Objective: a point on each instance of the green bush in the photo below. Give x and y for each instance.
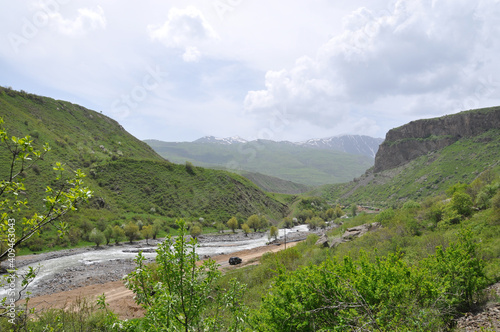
(384, 293)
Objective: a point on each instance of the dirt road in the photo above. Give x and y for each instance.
(121, 300)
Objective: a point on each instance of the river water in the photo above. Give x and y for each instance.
(50, 267)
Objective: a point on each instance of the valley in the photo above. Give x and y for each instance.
(434, 188)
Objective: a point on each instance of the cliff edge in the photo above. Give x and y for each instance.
(420, 137)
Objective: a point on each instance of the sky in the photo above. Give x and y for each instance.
(291, 70)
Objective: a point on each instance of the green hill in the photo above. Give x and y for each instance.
(284, 160)
(431, 171)
(130, 181)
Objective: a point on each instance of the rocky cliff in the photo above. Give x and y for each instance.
(418, 138)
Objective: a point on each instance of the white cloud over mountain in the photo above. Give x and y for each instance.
(287, 70)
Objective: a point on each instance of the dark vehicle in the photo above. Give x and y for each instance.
(234, 260)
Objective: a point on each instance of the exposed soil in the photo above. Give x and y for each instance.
(486, 319)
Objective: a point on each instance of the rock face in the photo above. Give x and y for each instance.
(349, 235)
(418, 138)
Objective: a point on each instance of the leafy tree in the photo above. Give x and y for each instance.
(108, 234)
(274, 232)
(147, 232)
(220, 227)
(17, 223)
(118, 234)
(132, 231)
(157, 225)
(86, 226)
(232, 223)
(179, 294)
(195, 230)
(97, 237)
(354, 210)
(315, 223)
(246, 229)
(287, 222)
(462, 203)
(254, 222)
(23, 156)
(74, 235)
(139, 224)
(338, 211)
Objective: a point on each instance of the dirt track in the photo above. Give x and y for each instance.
(120, 299)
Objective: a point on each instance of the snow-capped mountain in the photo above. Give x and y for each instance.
(354, 144)
(217, 140)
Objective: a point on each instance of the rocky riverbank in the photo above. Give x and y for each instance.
(100, 272)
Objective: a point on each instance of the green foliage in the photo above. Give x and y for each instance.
(118, 234)
(147, 232)
(462, 203)
(429, 175)
(246, 229)
(127, 177)
(300, 165)
(108, 234)
(97, 237)
(274, 232)
(177, 293)
(232, 223)
(195, 230)
(383, 294)
(131, 231)
(257, 222)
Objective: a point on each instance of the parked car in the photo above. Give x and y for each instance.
(234, 260)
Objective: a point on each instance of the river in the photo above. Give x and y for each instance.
(51, 267)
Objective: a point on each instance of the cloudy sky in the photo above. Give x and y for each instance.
(274, 69)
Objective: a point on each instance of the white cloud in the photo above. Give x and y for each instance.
(192, 54)
(87, 20)
(416, 51)
(183, 29)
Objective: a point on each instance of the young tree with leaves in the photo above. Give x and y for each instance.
(179, 294)
(147, 232)
(232, 223)
(132, 231)
(97, 237)
(17, 225)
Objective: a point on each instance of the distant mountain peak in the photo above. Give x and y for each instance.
(217, 140)
(354, 144)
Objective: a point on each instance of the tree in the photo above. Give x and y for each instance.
(59, 201)
(287, 222)
(108, 234)
(232, 223)
(195, 230)
(255, 222)
(132, 231)
(246, 229)
(354, 210)
(179, 294)
(157, 225)
(462, 203)
(274, 232)
(61, 198)
(118, 234)
(97, 237)
(147, 232)
(220, 227)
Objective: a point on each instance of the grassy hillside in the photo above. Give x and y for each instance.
(130, 181)
(283, 160)
(428, 175)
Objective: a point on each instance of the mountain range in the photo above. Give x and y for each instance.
(352, 144)
(310, 163)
